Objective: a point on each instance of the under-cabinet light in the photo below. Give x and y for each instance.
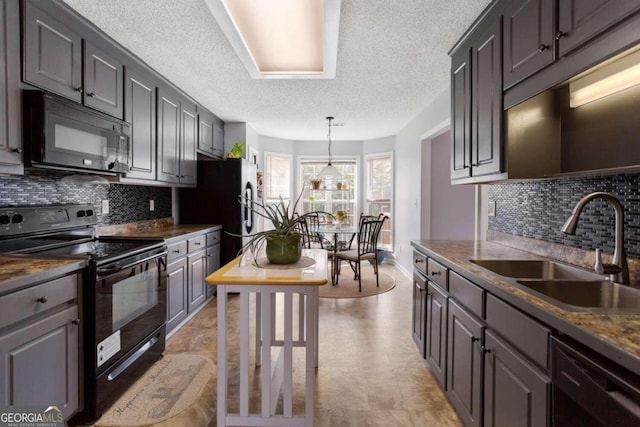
(282, 38)
(614, 77)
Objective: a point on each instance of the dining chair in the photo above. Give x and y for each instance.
(366, 249)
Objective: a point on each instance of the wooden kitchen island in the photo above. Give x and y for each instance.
(273, 290)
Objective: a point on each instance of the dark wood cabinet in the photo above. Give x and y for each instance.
(436, 333)
(476, 90)
(515, 391)
(419, 311)
(177, 137)
(54, 59)
(579, 20)
(177, 306)
(10, 140)
(464, 364)
(140, 112)
(103, 81)
(529, 38)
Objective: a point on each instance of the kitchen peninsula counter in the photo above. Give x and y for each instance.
(17, 271)
(615, 335)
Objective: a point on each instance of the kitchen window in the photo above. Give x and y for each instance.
(379, 193)
(333, 195)
(277, 182)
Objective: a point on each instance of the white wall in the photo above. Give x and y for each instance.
(408, 183)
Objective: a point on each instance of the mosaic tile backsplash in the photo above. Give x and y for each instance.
(538, 209)
(127, 203)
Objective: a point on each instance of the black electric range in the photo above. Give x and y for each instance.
(123, 295)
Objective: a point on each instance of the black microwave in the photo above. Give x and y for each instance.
(60, 134)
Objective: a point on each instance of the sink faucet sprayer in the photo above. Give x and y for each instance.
(618, 270)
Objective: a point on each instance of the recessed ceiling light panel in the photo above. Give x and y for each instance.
(282, 38)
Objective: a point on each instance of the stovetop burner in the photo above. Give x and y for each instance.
(104, 249)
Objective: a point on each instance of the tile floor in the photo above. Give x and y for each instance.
(370, 373)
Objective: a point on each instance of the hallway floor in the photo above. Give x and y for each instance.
(370, 371)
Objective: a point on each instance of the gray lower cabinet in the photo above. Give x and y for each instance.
(40, 346)
(436, 332)
(10, 141)
(516, 393)
(197, 272)
(464, 364)
(419, 311)
(177, 308)
(190, 260)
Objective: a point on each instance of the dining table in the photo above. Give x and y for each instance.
(342, 235)
(285, 303)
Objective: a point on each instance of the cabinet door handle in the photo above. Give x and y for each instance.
(436, 273)
(543, 47)
(419, 261)
(42, 300)
(474, 339)
(485, 350)
(75, 322)
(17, 150)
(79, 89)
(560, 34)
(91, 94)
(197, 243)
(176, 251)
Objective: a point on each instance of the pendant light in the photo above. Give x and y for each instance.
(329, 171)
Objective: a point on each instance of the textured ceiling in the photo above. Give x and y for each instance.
(392, 62)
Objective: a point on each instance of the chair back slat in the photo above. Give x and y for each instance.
(369, 233)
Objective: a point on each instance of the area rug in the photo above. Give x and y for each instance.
(170, 386)
(348, 288)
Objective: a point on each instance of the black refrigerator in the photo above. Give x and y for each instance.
(215, 200)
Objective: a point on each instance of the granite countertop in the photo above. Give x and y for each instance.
(20, 270)
(617, 336)
(154, 229)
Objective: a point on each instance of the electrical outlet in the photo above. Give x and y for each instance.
(105, 207)
(152, 205)
(492, 208)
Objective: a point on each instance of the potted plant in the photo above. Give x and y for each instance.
(237, 151)
(283, 242)
(315, 183)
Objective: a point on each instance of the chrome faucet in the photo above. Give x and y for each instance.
(618, 271)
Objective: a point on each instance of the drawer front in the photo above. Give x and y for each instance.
(197, 243)
(176, 250)
(437, 273)
(213, 238)
(420, 262)
(527, 335)
(467, 293)
(36, 299)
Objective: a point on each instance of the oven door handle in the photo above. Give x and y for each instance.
(106, 271)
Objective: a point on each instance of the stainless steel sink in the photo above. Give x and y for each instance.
(580, 295)
(534, 269)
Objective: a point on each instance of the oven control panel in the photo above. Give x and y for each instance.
(33, 219)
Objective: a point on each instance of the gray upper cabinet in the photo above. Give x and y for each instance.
(210, 134)
(168, 135)
(10, 141)
(177, 137)
(579, 20)
(140, 111)
(476, 88)
(102, 81)
(53, 60)
(528, 38)
(52, 53)
(188, 142)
